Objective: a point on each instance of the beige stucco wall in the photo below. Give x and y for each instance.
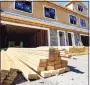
(76, 8)
(62, 15)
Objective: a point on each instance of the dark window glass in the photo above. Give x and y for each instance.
(24, 6)
(80, 8)
(82, 22)
(70, 39)
(49, 12)
(73, 19)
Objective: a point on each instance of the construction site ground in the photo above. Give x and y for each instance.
(77, 76)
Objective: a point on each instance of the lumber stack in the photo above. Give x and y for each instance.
(36, 63)
(78, 50)
(10, 77)
(55, 65)
(3, 74)
(54, 60)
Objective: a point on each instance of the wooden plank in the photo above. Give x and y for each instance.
(57, 58)
(46, 74)
(3, 74)
(57, 62)
(33, 57)
(67, 69)
(7, 82)
(64, 63)
(50, 63)
(57, 66)
(30, 58)
(5, 61)
(50, 68)
(54, 72)
(61, 70)
(31, 64)
(19, 65)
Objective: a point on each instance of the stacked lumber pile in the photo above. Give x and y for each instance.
(55, 65)
(78, 50)
(3, 74)
(8, 72)
(35, 63)
(11, 77)
(64, 53)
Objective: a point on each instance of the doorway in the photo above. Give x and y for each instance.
(62, 38)
(85, 40)
(70, 43)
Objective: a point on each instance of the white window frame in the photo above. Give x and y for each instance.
(73, 38)
(49, 7)
(59, 37)
(21, 10)
(69, 19)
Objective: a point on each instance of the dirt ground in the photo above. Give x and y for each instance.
(77, 76)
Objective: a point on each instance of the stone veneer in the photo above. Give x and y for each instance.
(53, 38)
(77, 38)
(67, 42)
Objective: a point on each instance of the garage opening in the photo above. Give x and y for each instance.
(85, 40)
(16, 36)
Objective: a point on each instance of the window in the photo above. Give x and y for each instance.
(80, 8)
(82, 22)
(73, 19)
(49, 12)
(24, 6)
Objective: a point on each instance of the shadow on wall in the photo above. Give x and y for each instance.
(73, 69)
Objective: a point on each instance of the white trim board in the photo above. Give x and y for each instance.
(29, 26)
(58, 24)
(84, 35)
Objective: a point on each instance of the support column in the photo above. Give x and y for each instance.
(67, 43)
(53, 38)
(77, 39)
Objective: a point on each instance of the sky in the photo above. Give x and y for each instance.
(65, 2)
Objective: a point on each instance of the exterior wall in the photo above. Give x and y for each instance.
(62, 15)
(76, 8)
(53, 38)
(70, 6)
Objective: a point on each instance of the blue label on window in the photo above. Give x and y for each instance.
(23, 6)
(73, 19)
(80, 8)
(82, 22)
(49, 12)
